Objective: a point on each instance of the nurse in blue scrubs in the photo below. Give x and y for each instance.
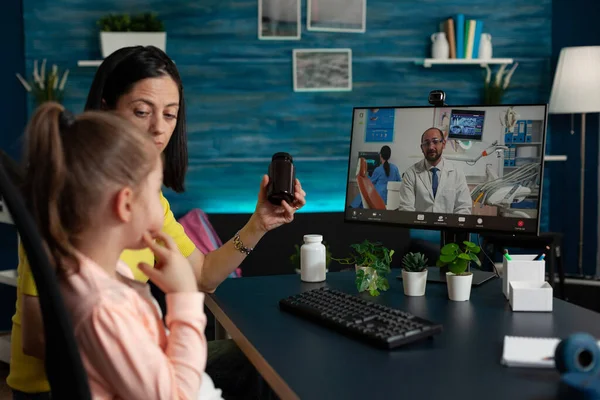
(384, 173)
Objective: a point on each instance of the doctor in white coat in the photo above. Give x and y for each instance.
(434, 184)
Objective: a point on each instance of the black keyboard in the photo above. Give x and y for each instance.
(367, 321)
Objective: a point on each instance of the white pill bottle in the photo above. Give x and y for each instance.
(312, 259)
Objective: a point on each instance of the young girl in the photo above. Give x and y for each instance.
(93, 186)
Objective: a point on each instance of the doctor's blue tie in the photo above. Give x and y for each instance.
(434, 180)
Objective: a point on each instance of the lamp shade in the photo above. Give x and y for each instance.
(576, 86)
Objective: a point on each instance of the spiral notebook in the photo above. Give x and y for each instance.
(532, 352)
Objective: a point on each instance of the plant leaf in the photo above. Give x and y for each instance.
(475, 259)
(450, 248)
(458, 267)
(374, 292)
(447, 258)
(469, 245)
(362, 282)
(464, 256)
(475, 249)
(440, 263)
(382, 283)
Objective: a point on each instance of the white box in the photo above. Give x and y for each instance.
(522, 267)
(530, 296)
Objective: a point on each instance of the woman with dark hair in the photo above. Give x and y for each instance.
(143, 85)
(384, 173)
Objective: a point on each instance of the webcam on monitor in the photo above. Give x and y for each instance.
(437, 98)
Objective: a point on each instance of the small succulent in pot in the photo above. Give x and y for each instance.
(414, 262)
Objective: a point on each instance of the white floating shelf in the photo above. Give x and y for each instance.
(428, 62)
(89, 63)
(9, 277)
(555, 158)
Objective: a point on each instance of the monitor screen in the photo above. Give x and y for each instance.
(372, 158)
(466, 124)
(486, 179)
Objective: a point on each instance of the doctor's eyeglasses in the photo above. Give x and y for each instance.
(434, 142)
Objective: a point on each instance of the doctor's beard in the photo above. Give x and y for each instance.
(433, 155)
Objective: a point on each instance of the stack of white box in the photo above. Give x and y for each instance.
(524, 283)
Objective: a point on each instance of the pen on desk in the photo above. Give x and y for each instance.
(549, 358)
(542, 254)
(506, 255)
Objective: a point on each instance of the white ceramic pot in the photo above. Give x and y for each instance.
(113, 41)
(459, 286)
(485, 46)
(414, 283)
(439, 46)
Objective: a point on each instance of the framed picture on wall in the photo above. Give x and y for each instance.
(279, 19)
(322, 70)
(336, 15)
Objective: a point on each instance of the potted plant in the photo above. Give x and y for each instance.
(372, 264)
(493, 91)
(45, 85)
(414, 274)
(295, 258)
(122, 30)
(457, 260)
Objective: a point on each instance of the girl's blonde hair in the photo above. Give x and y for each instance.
(70, 164)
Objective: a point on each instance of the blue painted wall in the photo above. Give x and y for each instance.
(241, 107)
(575, 24)
(13, 112)
(12, 108)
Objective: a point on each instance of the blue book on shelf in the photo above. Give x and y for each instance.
(460, 36)
(478, 30)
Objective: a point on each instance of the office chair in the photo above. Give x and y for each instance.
(64, 368)
(370, 198)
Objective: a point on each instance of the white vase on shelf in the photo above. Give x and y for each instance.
(485, 46)
(439, 46)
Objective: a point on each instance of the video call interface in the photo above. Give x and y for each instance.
(470, 167)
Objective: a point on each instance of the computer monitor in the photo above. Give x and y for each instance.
(373, 160)
(491, 184)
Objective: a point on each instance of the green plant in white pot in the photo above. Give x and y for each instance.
(124, 30)
(372, 262)
(458, 277)
(414, 274)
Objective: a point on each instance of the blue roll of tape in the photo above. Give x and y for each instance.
(578, 353)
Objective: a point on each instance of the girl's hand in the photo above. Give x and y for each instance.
(268, 216)
(172, 272)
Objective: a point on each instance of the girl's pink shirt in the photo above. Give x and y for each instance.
(122, 339)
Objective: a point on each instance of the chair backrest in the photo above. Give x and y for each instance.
(64, 368)
(370, 196)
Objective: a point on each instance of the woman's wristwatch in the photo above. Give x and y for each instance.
(239, 245)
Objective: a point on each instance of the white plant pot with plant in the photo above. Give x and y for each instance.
(458, 278)
(414, 274)
(372, 264)
(122, 30)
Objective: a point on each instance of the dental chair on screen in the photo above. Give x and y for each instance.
(370, 197)
(64, 368)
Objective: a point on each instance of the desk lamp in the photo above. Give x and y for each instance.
(576, 90)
